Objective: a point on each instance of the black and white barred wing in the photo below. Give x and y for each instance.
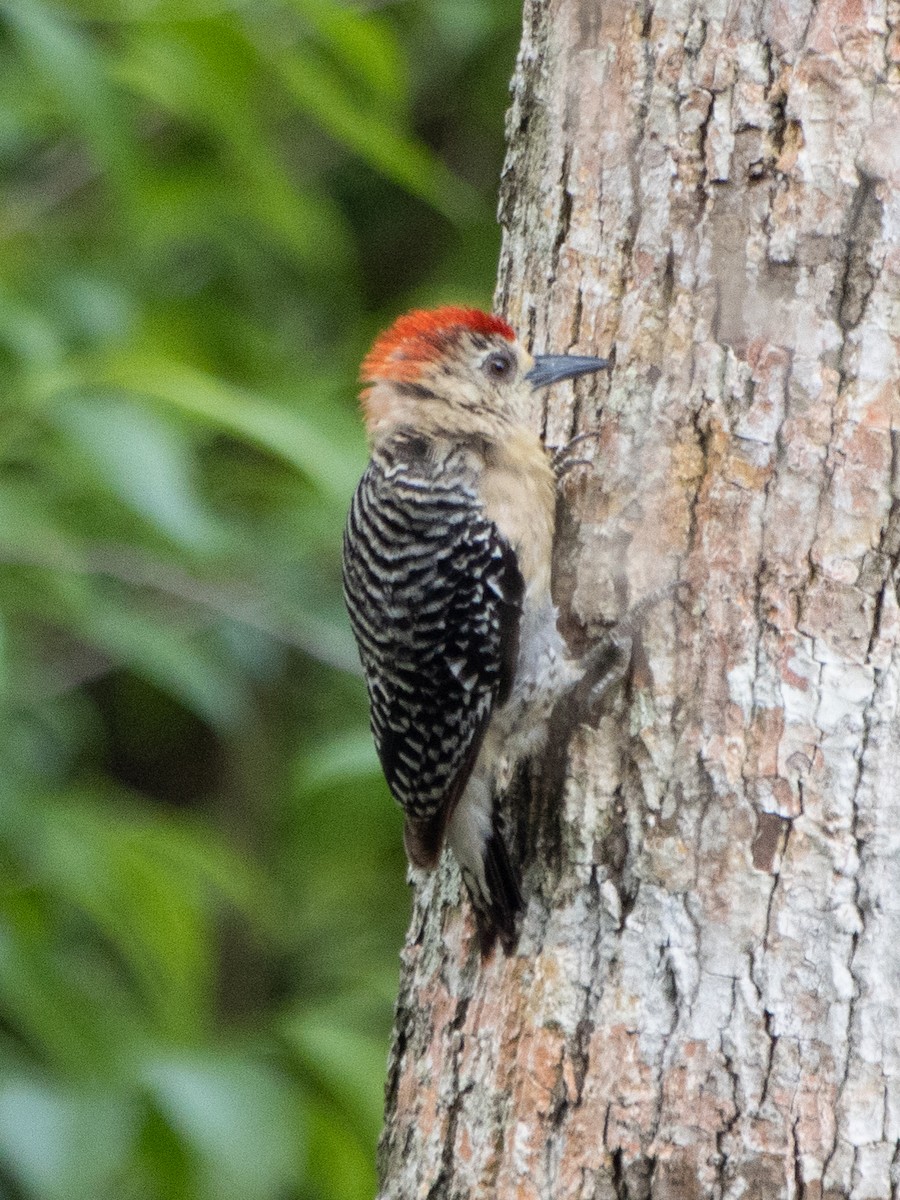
(434, 596)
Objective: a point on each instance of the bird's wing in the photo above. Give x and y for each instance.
(434, 595)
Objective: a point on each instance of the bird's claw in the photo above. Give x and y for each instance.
(564, 461)
(605, 666)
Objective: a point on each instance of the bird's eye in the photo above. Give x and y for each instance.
(498, 365)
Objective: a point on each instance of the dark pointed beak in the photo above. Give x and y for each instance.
(551, 368)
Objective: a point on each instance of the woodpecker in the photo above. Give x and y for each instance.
(446, 567)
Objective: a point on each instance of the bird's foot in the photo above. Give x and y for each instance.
(565, 459)
(604, 667)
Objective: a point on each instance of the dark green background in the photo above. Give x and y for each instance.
(208, 209)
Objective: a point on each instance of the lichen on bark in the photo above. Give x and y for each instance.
(705, 1001)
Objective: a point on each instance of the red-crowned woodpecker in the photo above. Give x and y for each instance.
(447, 556)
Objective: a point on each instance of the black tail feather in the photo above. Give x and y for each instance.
(497, 914)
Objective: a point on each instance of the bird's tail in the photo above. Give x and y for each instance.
(499, 915)
(492, 882)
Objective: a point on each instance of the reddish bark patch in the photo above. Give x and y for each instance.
(767, 841)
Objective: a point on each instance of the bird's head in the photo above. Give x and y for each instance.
(458, 369)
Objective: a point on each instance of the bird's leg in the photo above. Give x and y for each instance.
(603, 667)
(599, 671)
(607, 663)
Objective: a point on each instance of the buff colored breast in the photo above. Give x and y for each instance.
(519, 495)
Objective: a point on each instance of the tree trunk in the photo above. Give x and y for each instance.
(705, 1001)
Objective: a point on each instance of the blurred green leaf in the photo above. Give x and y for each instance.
(340, 1165)
(74, 69)
(151, 887)
(146, 464)
(327, 98)
(269, 426)
(205, 72)
(41, 1001)
(64, 1144)
(339, 760)
(174, 660)
(347, 1063)
(28, 334)
(364, 43)
(238, 1116)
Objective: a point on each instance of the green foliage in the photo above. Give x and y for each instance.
(209, 207)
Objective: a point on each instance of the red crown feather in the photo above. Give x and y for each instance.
(420, 337)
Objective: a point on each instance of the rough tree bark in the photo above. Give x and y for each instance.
(705, 1001)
